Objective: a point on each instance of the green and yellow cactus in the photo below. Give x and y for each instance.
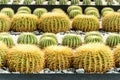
(118, 10)
(39, 2)
(4, 1)
(24, 8)
(106, 9)
(73, 7)
(86, 2)
(110, 22)
(27, 2)
(51, 2)
(72, 40)
(27, 38)
(58, 57)
(58, 10)
(110, 2)
(24, 23)
(75, 2)
(91, 8)
(85, 23)
(63, 2)
(113, 40)
(93, 12)
(95, 58)
(25, 58)
(5, 23)
(98, 2)
(74, 13)
(107, 12)
(39, 11)
(8, 11)
(54, 22)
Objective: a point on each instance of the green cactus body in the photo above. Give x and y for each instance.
(16, 1)
(46, 41)
(85, 23)
(23, 12)
(74, 2)
(27, 2)
(106, 9)
(4, 1)
(111, 22)
(107, 12)
(86, 2)
(7, 40)
(25, 59)
(113, 40)
(93, 12)
(58, 57)
(51, 2)
(54, 22)
(73, 7)
(98, 2)
(72, 40)
(24, 8)
(5, 23)
(63, 2)
(52, 35)
(24, 23)
(27, 38)
(95, 58)
(91, 8)
(8, 11)
(39, 2)
(39, 11)
(58, 10)
(74, 13)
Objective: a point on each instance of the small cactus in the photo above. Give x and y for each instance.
(74, 2)
(72, 40)
(85, 23)
(91, 8)
(27, 2)
(39, 11)
(8, 11)
(58, 57)
(106, 9)
(93, 12)
(113, 40)
(74, 13)
(24, 8)
(73, 7)
(86, 2)
(25, 58)
(95, 58)
(27, 38)
(63, 2)
(51, 2)
(98, 2)
(39, 2)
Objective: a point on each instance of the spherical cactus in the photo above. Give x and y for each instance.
(58, 57)
(7, 40)
(39, 2)
(5, 23)
(110, 22)
(58, 10)
(93, 39)
(85, 23)
(25, 59)
(52, 35)
(22, 12)
(27, 38)
(93, 33)
(113, 40)
(106, 9)
(54, 22)
(27, 2)
(91, 8)
(93, 12)
(70, 8)
(4, 1)
(93, 58)
(86, 2)
(63, 2)
(98, 2)
(39, 11)
(24, 22)
(46, 41)
(74, 13)
(74, 2)
(72, 40)
(24, 8)
(8, 11)
(116, 52)
(51, 2)
(107, 12)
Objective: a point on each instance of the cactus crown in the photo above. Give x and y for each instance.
(73, 7)
(24, 8)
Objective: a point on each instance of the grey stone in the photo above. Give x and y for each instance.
(80, 71)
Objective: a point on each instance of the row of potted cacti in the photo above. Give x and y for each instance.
(62, 2)
(70, 40)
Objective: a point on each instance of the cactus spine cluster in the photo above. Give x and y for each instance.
(111, 22)
(85, 23)
(25, 59)
(63, 2)
(24, 22)
(74, 2)
(74, 13)
(93, 58)
(27, 38)
(72, 40)
(86, 2)
(58, 57)
(113, 40)
(54, 22)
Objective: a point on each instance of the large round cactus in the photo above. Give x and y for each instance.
(24, 22)
(72, 40)
(113, 40)
(58, 57)
(73, 7)
(5, 23)
(74, 13)
(85, 23)
(27, 38)
(24, 8)
(54, 22)
(25, 59)
(110, 22)
(8, 11)
(106, 9)
(93, 58)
